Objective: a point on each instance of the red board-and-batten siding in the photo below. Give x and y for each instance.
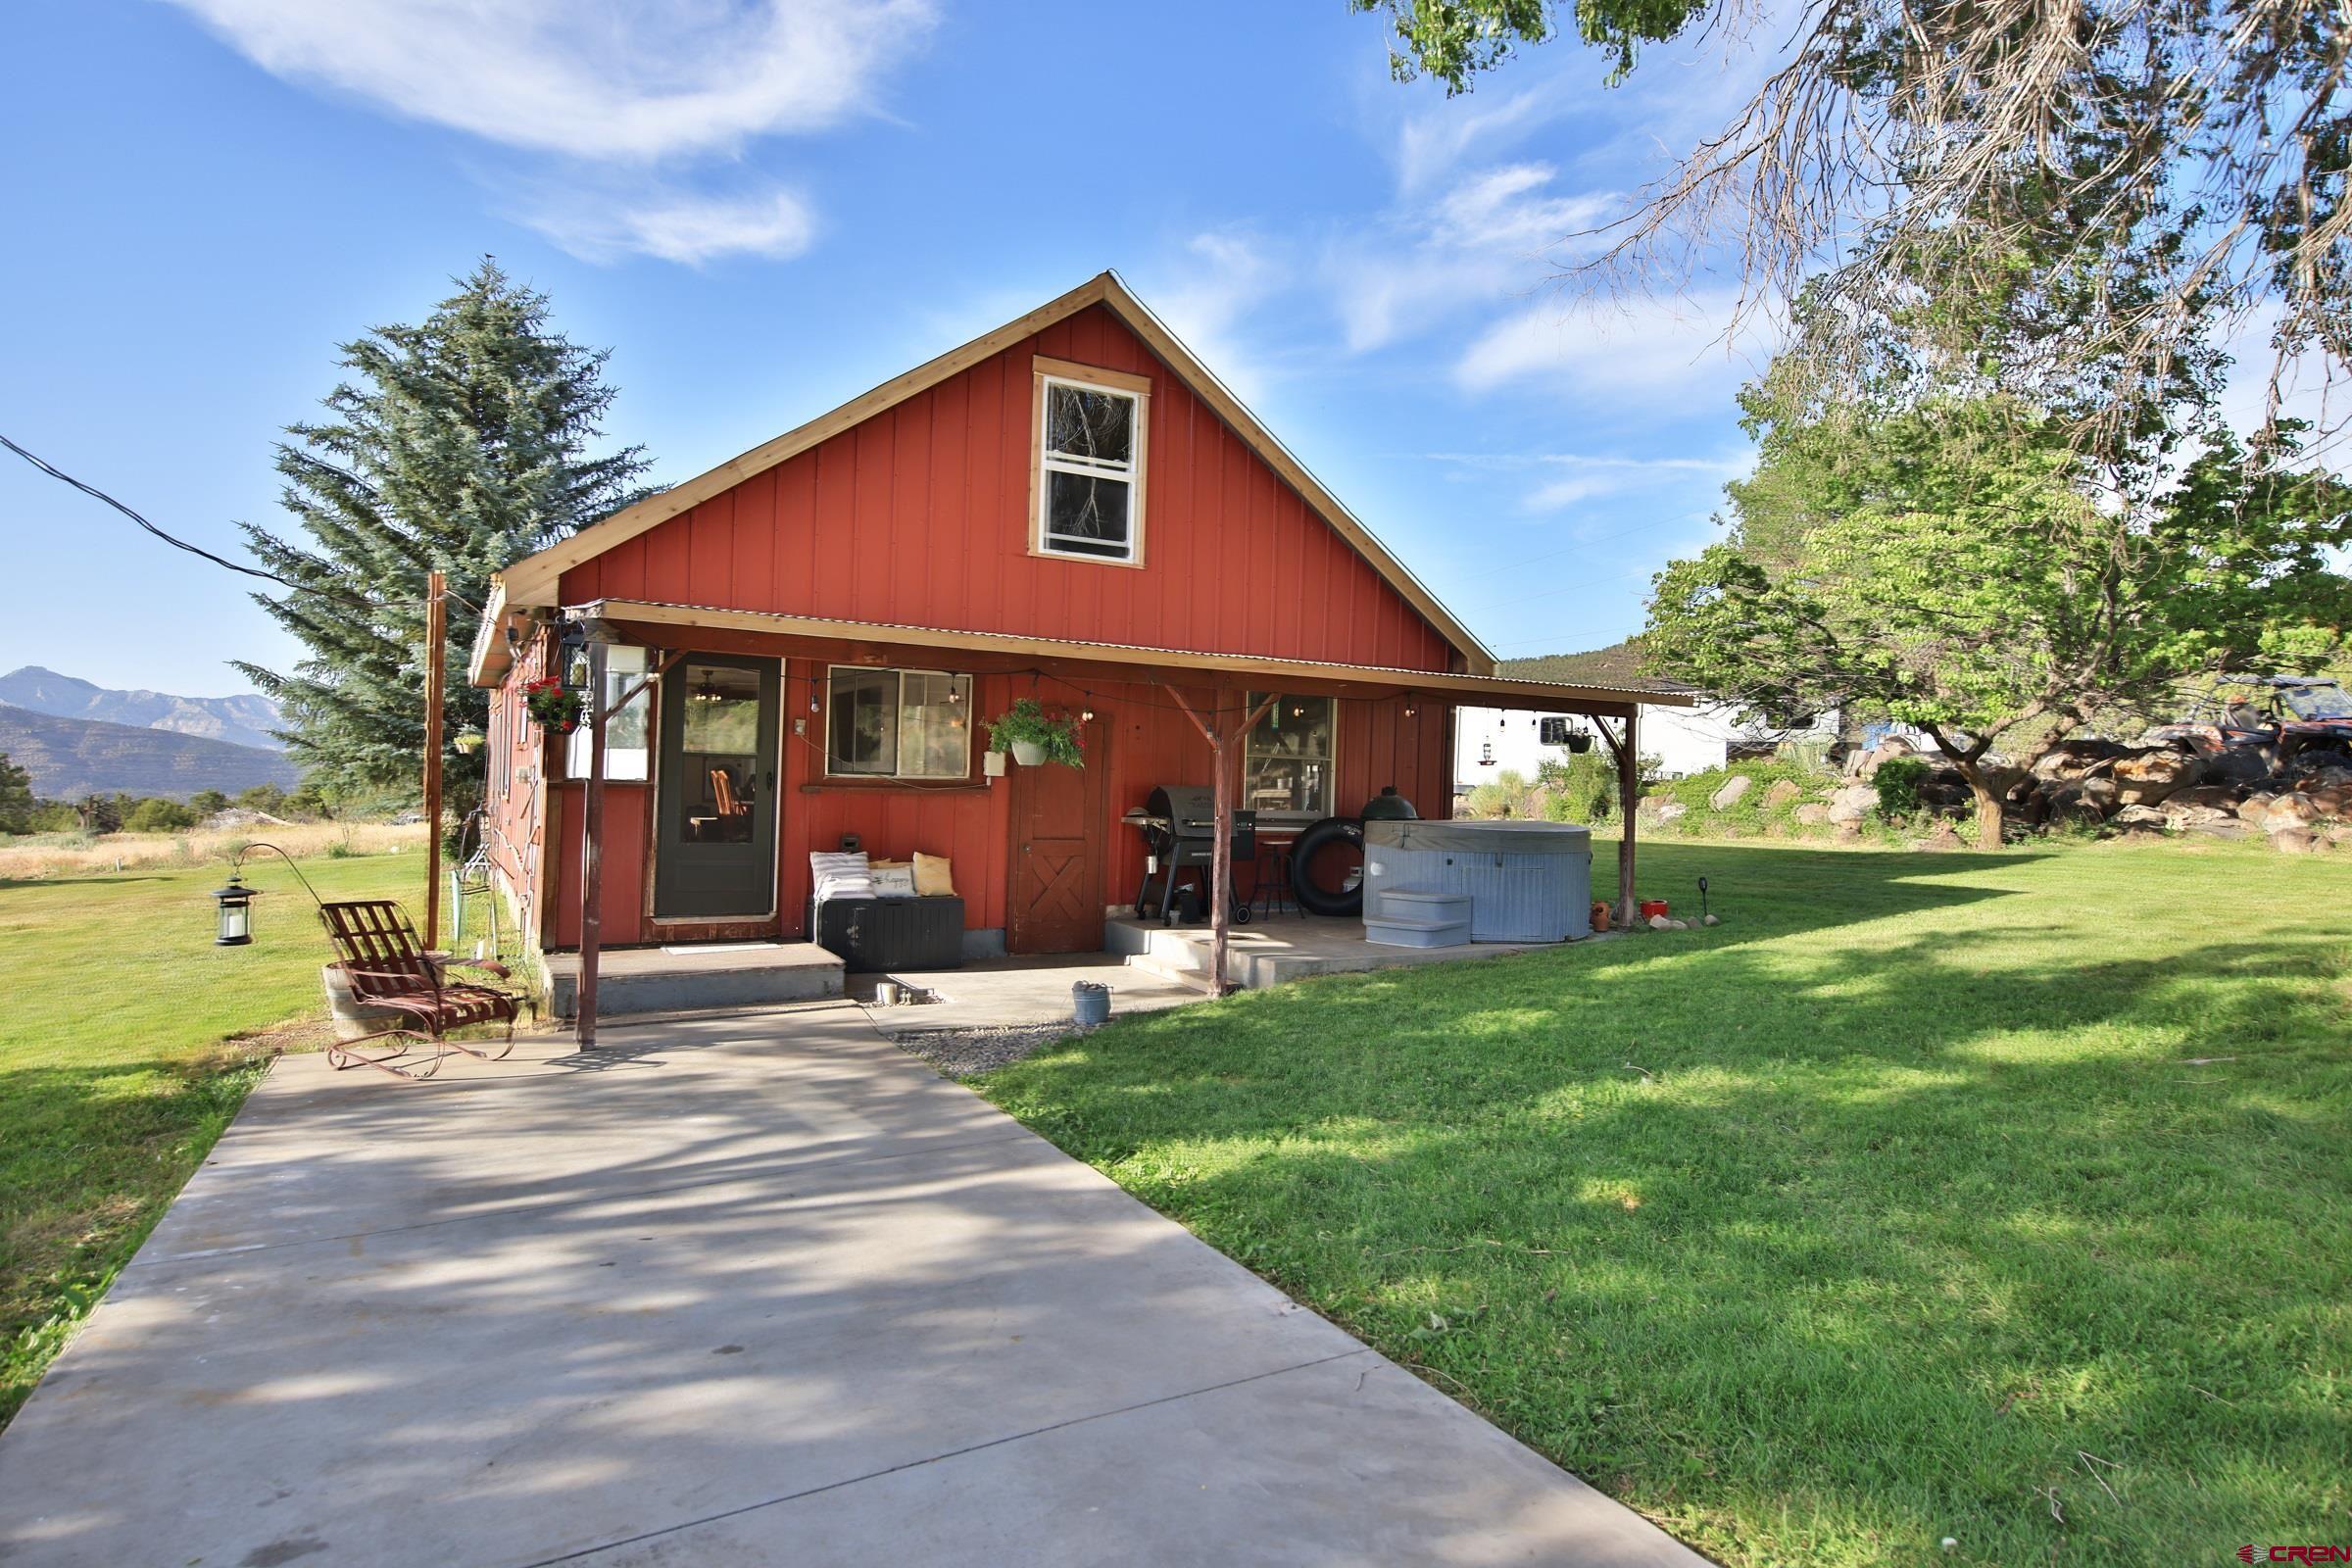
(920, 516)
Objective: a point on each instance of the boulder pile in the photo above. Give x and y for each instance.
(2300, 803)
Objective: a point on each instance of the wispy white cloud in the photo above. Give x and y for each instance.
(1644, 351)
(636, 82)
(1489, 236)
(590, 89)
(688, 228)
(1432, 143)
(1212, 286)
(1566, 480)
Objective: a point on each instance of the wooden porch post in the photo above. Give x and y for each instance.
(1628, 804)
(1220, 869)
(592, 837)
(436, 658)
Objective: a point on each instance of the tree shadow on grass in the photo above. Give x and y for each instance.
(1814, 1252)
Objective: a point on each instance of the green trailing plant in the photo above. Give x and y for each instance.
(1057, 731)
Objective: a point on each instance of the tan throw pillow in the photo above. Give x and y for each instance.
(933, 879)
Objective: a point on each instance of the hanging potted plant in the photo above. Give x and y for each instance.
(552, 705)
(467, 741)
(1035, 733)
(1580, 741)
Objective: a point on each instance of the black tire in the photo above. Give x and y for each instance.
(1330, 833)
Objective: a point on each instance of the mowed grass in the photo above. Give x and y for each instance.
(118, 1064)
(2005, 1199)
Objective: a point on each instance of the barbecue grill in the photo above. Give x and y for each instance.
(1179, 825)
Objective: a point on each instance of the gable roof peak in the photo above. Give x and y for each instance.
(533, 580)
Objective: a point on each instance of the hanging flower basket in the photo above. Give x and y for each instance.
(1580, 741)
(552, 705)
(467, 741)
(1035, 734)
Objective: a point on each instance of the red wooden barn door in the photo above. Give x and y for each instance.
(1058, 822)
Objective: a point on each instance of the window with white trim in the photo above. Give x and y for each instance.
(1552, 729)
(898, 723)
(1289, 760)
(1090, 469)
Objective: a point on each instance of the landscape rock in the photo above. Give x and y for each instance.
(2141, 819)
(2220, 827)
(2254, 807)
(2145, 779)
(1864, 764)
(2295, 841)
(1812, 813)
(1658, 922)
(1671, 809)
(1853, 803)
(2217, 797)
(1945, 837)
(1735, 790)
(1710, 920)
(2070, 761)
(2292, 811)
(1782, 792)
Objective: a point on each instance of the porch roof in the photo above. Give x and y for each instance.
(656, 624)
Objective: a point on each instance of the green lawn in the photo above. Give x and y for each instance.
(2006, 1199)
(118, 1068)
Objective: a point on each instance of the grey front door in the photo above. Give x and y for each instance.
(714, 829)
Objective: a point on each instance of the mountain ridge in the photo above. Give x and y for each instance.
(70, 757)
(241, 720)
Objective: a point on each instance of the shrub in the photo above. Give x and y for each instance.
(1898, 780)
(157, 815)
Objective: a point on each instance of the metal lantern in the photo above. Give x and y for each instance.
(235, 908)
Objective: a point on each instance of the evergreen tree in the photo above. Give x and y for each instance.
(15, 798)
(459, 445)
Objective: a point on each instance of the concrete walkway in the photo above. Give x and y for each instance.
(745, 1291)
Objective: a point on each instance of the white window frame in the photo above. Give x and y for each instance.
(1548, 721)
(825, 736)
(1137, 390)
(1331, 778)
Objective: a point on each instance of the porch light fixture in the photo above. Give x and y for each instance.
(708, 691)
(234, 909)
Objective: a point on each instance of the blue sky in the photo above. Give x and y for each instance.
(764, 214)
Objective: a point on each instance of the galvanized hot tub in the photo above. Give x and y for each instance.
(1526, 881)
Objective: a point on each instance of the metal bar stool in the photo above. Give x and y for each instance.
(1271, 880)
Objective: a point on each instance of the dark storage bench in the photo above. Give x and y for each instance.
(870, 935)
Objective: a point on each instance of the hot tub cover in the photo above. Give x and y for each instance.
(1481, 838)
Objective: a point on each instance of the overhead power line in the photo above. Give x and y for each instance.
(223, 562)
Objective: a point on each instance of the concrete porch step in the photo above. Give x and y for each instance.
(703, 977)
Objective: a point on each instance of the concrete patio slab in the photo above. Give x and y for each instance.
(743, 1290)
(1016, 993)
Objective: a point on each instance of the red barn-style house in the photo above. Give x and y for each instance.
(1071, 508)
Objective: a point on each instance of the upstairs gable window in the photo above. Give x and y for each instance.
(1090, 463)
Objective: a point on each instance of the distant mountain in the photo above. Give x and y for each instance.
(240, 720)
(70, 757)
(1620, 664)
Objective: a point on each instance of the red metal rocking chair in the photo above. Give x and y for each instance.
(389, 971)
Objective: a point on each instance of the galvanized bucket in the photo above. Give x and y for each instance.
(1090, 1002)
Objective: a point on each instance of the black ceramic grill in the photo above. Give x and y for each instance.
(1179, 825)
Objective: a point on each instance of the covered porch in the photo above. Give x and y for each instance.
(1043, 859)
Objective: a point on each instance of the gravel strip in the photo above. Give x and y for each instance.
(967, 1052)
